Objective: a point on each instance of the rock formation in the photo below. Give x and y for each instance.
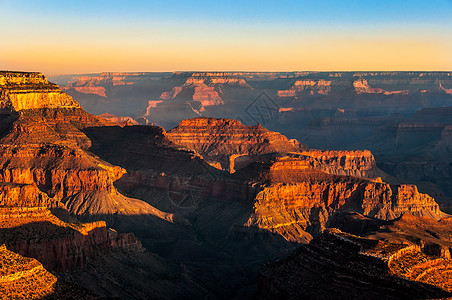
(120, 120)
(204, 88)
(45, 147)
(361, 86)
(224, 140)
(341, 266)
(19, 91)
(35, 232)
(23, 277)
(322, 87)
(431, 236)
(172, 190)
(295, 200)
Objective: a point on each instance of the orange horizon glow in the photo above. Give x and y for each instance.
(63, 42)
(352, 54)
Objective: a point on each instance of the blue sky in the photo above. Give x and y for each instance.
(221, 31)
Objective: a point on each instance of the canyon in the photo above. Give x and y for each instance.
(91, 203)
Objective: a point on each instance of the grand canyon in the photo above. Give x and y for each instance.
(225, 185)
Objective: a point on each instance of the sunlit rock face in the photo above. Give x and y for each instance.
(296, 200)
(21, 91)
(44, 146)
(322, 87)
(120, 120)
(225, 140)
(205, 88)
(23, 277)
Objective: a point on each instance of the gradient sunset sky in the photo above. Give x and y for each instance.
(58, 37)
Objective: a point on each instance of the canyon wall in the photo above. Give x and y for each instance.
(59, 246)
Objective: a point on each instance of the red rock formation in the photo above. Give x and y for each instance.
(35, 232)
(46, 148)
(19, 91)
(23, 277)
(224, 140)
(24, 195)
(362, 87)
(358, 163)
(293, 198)
(206, 87)
(97, 90)
(449, 91)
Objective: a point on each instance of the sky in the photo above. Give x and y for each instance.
(66, 37)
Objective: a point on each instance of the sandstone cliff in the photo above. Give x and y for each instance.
(36, 232)
(45, 146)
(19, 91)
(295, 200)
(23, 277)
(225, 140)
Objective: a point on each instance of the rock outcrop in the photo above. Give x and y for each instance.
(36, 232)
(25, 195)
(322, 87)
(120, 120)
(341, 266)
(361, 86)
(20, 91)
(357, 163)
(204, 88)
(295, 200)
(23, 277)
(226, 141)
(431, 236)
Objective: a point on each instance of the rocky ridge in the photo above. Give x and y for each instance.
(343, 266)
(23, 277)
(224, 141)
(295, 200)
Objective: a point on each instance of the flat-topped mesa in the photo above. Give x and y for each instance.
(361, 86)
(223, 140)
(24, 79)
(24, 90)
(358, 163)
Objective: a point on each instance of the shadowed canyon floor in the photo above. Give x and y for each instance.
(195, 211)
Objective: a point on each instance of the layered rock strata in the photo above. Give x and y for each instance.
(294, 199)
(23, 277)
(225, 140)
(36, 232)
(19, 91)
(340, 266)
